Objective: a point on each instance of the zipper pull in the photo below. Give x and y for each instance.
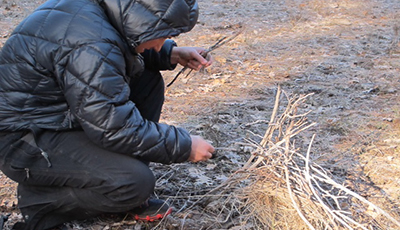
(46, 156)
(27, 172)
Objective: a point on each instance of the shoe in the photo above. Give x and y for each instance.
(152, 210)
(19, 226)
(3, 219)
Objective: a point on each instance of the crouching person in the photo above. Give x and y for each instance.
(81, 96)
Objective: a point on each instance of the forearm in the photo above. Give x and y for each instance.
(160, 60)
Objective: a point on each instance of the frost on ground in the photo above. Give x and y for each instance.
(346, 53)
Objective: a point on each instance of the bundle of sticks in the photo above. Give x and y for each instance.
(288, 177)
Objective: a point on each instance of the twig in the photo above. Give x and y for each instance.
(288, 186)
(269, 132)
(316, 195)
(218, 44)
(353, 194)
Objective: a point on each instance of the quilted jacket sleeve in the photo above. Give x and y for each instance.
(97, 94)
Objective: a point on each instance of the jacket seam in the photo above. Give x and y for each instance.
(103, 60)
(72, 18)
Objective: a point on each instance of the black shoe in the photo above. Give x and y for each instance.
(3, 219)
(152, 210)
(19, 226)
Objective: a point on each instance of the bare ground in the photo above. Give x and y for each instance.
(346, 52)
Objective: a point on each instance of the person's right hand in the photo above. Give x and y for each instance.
(190, 57)
(201, 149)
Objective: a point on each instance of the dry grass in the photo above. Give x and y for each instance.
(345, 51)
(281, 187)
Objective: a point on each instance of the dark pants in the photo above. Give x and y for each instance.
(84, 180)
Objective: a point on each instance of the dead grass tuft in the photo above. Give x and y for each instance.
(281, 187)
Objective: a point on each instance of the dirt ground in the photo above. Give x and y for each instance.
(346, 52)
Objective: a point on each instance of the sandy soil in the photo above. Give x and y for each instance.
(346, 52)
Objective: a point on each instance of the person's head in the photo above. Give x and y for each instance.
(145, 23)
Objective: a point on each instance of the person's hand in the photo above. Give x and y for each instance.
(190, 57)
(201, 149)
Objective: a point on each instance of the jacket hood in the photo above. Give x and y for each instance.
(143, 20)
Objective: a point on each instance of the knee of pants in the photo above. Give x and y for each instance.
(133, 188)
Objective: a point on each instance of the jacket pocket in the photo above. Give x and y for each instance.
(24, 155)
(17, 156)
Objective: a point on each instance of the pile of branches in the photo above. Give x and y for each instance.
(281, 187)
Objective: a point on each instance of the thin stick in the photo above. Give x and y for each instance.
(218, 44)
(308, 178)
(294, 202)
(348, 191)
(268, 133)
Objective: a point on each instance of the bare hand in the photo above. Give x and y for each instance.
(190, 57)
(201, 149)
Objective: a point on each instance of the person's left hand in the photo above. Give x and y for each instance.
(201, 149)
(190, 57)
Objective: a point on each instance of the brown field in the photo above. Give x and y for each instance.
(345, 52)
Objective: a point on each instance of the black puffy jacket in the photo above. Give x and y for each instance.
(68, 64)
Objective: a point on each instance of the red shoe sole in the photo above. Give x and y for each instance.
(154, 218)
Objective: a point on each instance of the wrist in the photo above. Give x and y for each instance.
(174, 55)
